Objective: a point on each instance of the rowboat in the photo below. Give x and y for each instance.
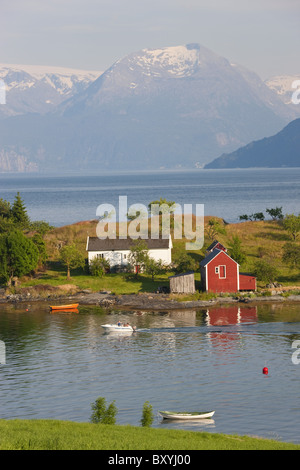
(118, 328)
(64, 307)
(186, 414)
(68, 310)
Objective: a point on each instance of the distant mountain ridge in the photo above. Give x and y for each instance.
(280, 150)
(174, 107)
(40, 89)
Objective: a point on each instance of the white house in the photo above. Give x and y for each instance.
(117, 251)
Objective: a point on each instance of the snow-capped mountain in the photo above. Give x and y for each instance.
(174, 107)
(39, 89)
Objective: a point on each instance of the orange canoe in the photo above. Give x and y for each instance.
(64, 307)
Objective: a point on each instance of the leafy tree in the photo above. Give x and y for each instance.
(255, 216)
(166, 209)
(166, 206)
(71, 257)
(99, 266)
(6, 224)
(154, 267)
(213, 228)
(235, 250)
(291, 224)
(258, 216)
(19, 212)
(291, 254)
(40, 226)
(184, 262)
(265, 271)
(138, 256)
(147, 417)
(18, 255)
(103, 414)
(275, 213)
(41, 246)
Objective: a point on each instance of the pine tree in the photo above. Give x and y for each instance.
(19, 212)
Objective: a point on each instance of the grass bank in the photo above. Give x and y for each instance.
(66, 435)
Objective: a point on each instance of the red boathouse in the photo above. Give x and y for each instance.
(220, 273)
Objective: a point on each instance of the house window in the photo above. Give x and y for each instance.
(100, 255)
(125, 256)
(217, 269)
(222, 272)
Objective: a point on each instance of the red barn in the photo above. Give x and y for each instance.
(220, 273)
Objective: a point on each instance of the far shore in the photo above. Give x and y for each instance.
(142, 301)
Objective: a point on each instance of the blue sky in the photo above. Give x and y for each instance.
(263, 35)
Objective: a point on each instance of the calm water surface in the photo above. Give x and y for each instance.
(66, 199)
(58, 364)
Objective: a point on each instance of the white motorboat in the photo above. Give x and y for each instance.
(118, 328)
(186, 414)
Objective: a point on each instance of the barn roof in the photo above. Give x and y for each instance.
(213, 255)
(108, 244)
(214, 244)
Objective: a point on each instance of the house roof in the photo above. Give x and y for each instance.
(214, 244)
(108, 244)
(213, 255)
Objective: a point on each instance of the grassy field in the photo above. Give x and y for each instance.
(66, 435)
(260, 240)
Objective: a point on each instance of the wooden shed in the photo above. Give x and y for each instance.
(183, 283)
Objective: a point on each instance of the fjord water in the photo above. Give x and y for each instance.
(211, 359)
(67, 199)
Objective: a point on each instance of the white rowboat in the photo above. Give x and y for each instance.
(186, 414)
(119, 328)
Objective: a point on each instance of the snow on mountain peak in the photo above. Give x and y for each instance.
(179, 61)
(32, 88)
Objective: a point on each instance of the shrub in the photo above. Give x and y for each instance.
(103, 414)
(99, 266)
(265, 271)
(147, 418)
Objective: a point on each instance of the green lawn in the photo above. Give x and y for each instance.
(120, 283)
(66, 435)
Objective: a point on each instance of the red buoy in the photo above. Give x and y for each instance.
(265, 370)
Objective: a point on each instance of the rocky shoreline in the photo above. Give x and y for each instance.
(141, 301)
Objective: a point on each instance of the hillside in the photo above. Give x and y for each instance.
(263, 240)
(280, 150)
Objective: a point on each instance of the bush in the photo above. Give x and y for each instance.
(101, 414)
(99, 266)
(147, 418)
(265, 271)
